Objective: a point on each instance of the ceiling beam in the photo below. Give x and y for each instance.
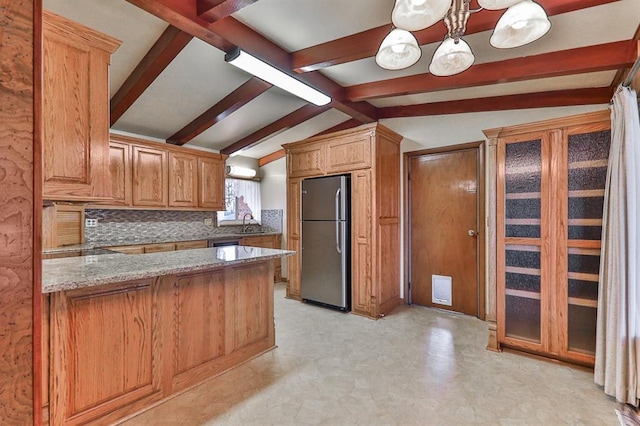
(602, 57)
(270, 158)
(163, 51)
(229, 32)
(365, 44)
(621, 75)
(590, 96)
(298, 116)
(349, 124)
(231, 103)
(213, 10)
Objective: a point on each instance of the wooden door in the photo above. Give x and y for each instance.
(443, 226)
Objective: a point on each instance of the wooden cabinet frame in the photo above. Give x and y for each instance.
(181, 178)
(553, 242)
(371, 154)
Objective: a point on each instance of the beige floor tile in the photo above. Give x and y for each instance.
(416, 366)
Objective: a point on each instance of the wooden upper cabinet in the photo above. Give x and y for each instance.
(306, 161)
(76, 110)
(211, 180)
(150, 178)
(349, 153)
(183, 180)
(120, 168)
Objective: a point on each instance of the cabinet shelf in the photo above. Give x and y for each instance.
(586, 193)
(581, 276)
(578, 301)
(523, 271)
(522, 222)
(522, 293)
(588, 164)
(522, 195)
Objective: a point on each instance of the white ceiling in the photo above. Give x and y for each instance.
(199, 77)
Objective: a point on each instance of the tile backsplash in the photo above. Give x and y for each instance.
(114, 225)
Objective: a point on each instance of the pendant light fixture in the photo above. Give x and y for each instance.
(523, 22)
(398, 50)
(414, 15)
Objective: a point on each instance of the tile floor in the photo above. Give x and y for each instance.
(417, 366)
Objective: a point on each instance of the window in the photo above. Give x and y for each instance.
(241, 197)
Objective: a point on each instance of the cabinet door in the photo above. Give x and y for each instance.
(199, 325)
(523, 242)
(293, 239)
(187, 245)
(158, 248)
(362, 301)
(183, 180)
(102, 351)
(584, 174)
(349, 153)
(120, 168)
(306, 161)
(75, 111)
(150, 181)
(211, 178)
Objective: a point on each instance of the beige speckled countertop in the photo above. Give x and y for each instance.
(86, 271)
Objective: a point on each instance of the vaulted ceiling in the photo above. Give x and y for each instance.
(169, 79)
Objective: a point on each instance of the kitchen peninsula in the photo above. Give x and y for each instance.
(124, 332)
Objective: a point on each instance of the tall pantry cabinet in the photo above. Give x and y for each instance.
(371, 155)
(550, 185)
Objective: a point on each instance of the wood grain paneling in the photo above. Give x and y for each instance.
(19, 240)
(120, 170)
(211, 173)
(199, 312)
(349, 153)
(150, 179)
(76, 120)
(102, 350)
(183, 180)
(293, 237)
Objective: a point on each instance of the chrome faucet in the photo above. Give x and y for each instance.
(245, 227)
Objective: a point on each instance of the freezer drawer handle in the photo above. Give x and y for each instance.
(337, 203)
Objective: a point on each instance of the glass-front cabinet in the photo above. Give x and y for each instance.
(549, 202)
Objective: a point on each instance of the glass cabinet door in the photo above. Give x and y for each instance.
(520, 231)
(587, 154)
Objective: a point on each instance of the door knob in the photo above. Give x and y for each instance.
(471, 233)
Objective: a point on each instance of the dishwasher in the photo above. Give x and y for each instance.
(223, 243)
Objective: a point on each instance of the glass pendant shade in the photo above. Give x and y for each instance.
(398, 50)
(451, 58)
(496, 4)
(521, 24)
(415, 15)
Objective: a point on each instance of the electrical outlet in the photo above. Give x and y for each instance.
(208, 222)
(90, 223)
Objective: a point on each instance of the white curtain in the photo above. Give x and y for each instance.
(618, 324)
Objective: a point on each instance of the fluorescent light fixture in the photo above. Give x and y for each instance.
(241, 172)
(268, 73)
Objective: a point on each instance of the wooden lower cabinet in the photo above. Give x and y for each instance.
(118, 348)
(159, 247)
(102, 352)
(267, 241)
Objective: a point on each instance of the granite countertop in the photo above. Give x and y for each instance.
(155, 240)
(86, 271)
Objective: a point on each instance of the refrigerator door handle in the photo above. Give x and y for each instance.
(337, 204)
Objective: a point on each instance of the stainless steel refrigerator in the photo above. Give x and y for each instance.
(326, 259)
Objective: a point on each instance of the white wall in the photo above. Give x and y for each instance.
(273, 193)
